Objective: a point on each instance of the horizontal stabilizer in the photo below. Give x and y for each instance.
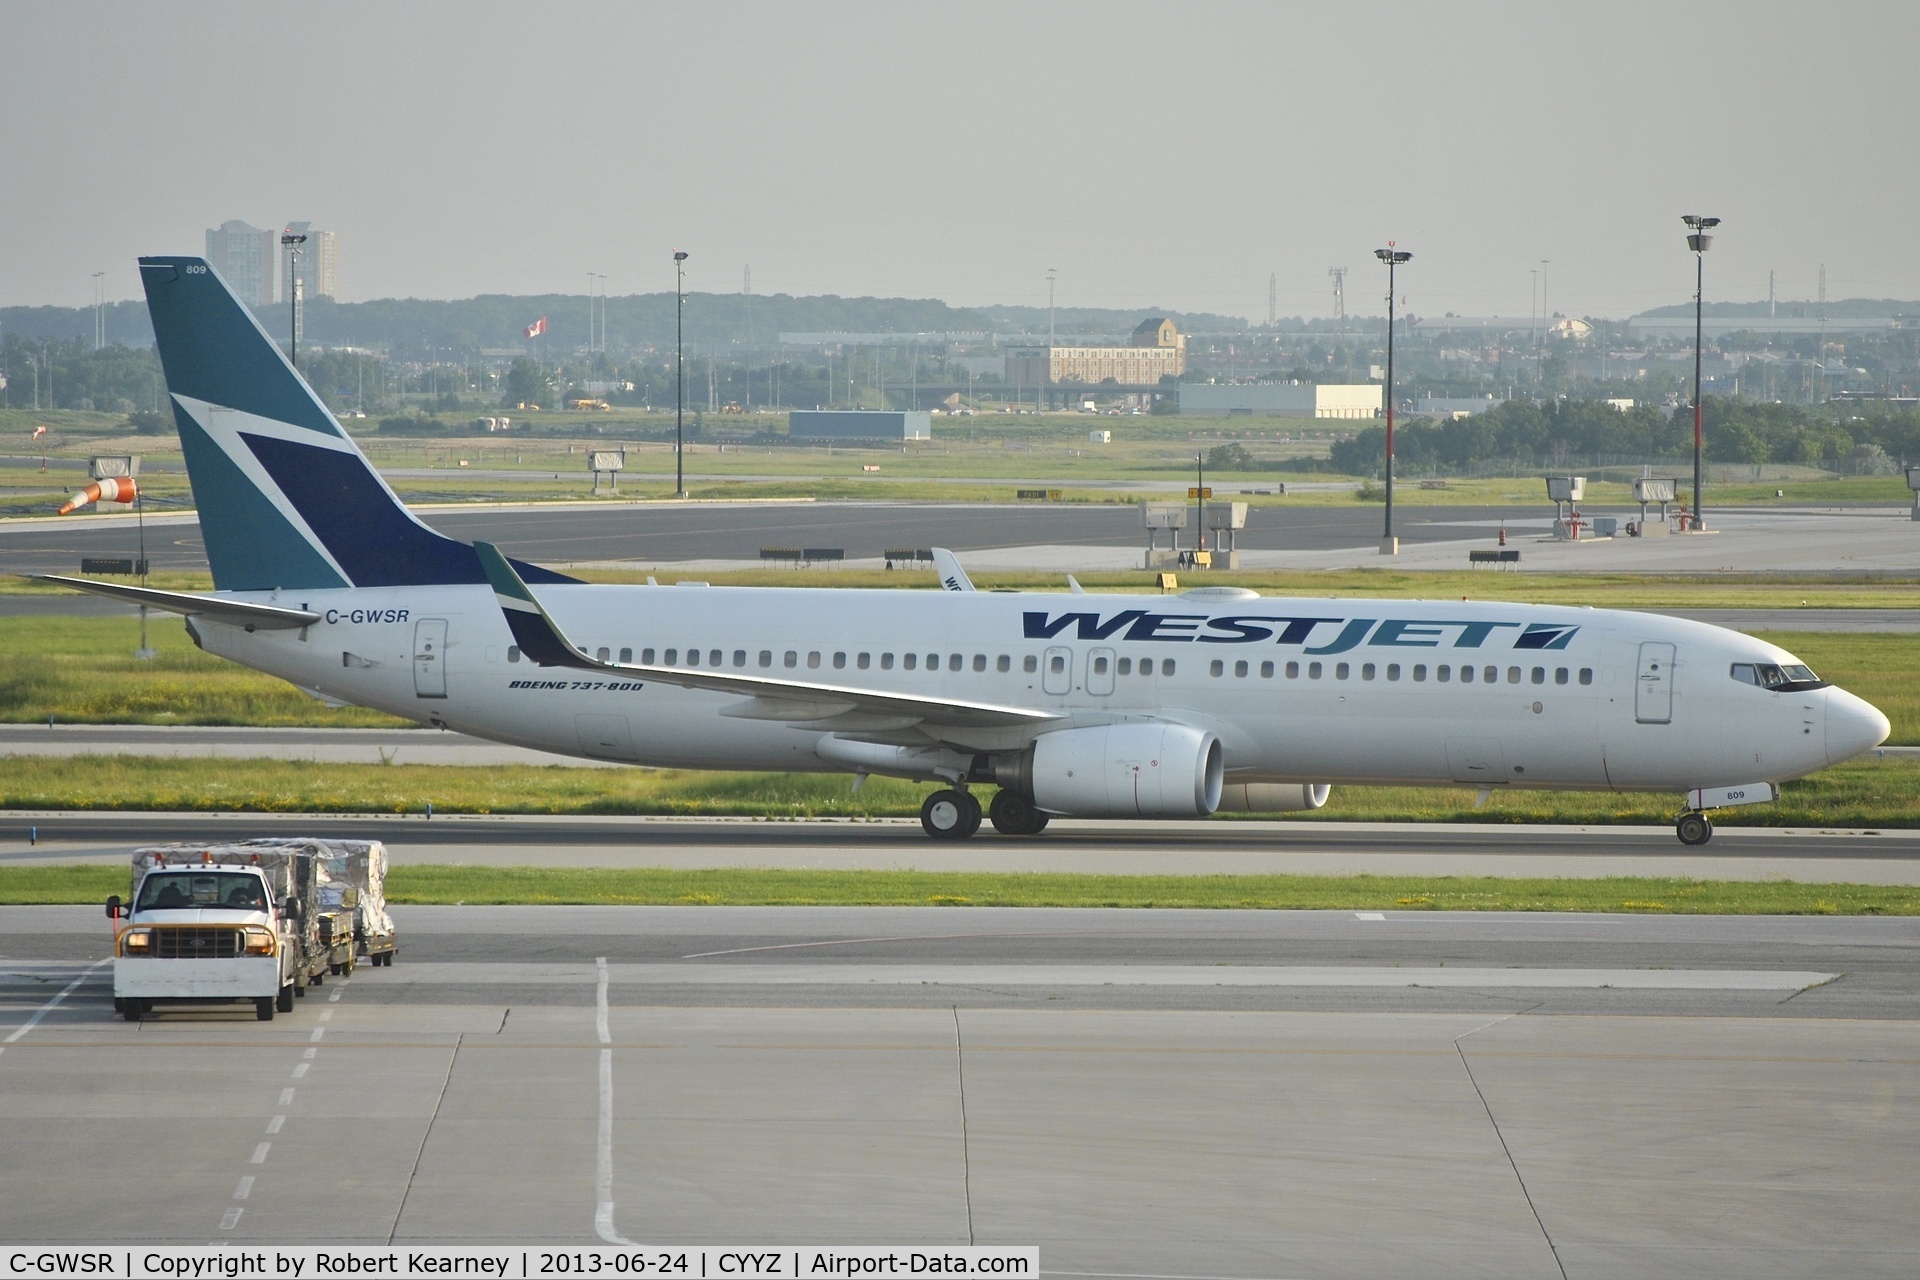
(267, 617)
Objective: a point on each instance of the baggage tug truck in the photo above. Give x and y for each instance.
(215, 925)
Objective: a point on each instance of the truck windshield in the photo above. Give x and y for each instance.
(235, 890)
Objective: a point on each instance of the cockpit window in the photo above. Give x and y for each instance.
(1786, 677)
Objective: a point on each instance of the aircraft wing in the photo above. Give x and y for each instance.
(541, 639)
(266, 617)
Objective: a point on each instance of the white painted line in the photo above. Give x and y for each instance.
(1369, 915)
(301, 1070)
(230, 1219)
(54, 1003)
(334, 998)
(276, 1124)
(325, 1014)
(317, 1033)
(286, 1097)
(603, 1175)
(245, 1188)
(311, 1054)
(260, 1153)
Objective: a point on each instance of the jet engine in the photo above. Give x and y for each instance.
(1272, 797)
(1126, 771)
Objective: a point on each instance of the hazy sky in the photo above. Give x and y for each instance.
(1155, 154)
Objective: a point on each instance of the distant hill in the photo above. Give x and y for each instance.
(636, 321)
(1843, 309)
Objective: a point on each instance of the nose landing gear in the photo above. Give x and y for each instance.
(1693, 828)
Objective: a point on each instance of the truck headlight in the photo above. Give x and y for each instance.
(259, 942)
(136, 940)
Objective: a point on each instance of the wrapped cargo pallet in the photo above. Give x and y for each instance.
(352, 895)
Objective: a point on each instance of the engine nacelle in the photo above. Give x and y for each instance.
(1272, 797)
(1127, 771)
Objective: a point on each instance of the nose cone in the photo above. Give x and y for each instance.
(1853, 725)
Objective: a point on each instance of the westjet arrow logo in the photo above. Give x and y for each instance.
(1315, 635)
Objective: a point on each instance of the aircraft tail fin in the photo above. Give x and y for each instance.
(286, 499)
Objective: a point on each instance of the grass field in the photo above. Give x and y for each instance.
(1865, 793)
(82, 671)
(523, 886)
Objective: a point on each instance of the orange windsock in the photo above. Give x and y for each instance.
(109, 490)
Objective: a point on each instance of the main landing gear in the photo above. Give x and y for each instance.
(954, 815)
(1693, 828)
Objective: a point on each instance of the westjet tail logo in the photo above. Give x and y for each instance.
(1315, 635)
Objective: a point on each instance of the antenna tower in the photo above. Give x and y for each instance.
(1339, 275)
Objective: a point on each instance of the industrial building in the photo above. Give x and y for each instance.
(859, 424)
(245, 256)
(1155, 350)
(1282, 399)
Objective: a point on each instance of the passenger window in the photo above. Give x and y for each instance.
(933, 662)
(600, 654)
(715, 658)
(1466, 674)
(1513, 675)
(790, 659)
(513, 653)
(1492, 674)
(1166, 666)
(955, 661)
(1146, 666)
(1266, 671)
(1057, 663)
(1340, 670)
(626, 655)
(886, 662)
(646, 657)
(1100, 665)
(1293, 671)
(1586, 675)
(1003, 663)
(693, 657)
(739, 657)
(1559, 675)
(910, 661)
(1420, 672)
(1539, 675)
(813, 660)
(1124, 666)
(1366, 671)
(1393, 671)
(839, 662)
(1030, 664)
(979, 662)
(1313, 671)
(766, 657)
(864, 661)
(1216, 668)
(672, 657)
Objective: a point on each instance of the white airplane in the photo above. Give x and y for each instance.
(1107, 706)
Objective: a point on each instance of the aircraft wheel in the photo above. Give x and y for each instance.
(1693, 829)
(950, 815)
(1015, 815)
(284, 1002)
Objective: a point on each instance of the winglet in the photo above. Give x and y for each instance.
(539, 638)
(952, 576)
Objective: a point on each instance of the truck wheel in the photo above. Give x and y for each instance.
(263, 1008)
(284, 1002)
(131, 1010)
(318, 979)
(119, 1005)
(300, 990)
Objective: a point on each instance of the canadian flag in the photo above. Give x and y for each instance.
(535, 329)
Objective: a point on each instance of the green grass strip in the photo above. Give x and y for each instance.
(538, 886)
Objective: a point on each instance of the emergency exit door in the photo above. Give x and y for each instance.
(430, 658)
(1653, 685)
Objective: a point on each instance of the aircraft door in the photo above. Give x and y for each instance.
(430, 658)
(1653, 685)
(1056, 670)
(1100, 671)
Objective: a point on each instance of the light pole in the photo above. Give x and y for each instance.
(1050, 338)
(679, 373)
(291, 242)
(99, 298)
(1390, 545)
(1699, 241)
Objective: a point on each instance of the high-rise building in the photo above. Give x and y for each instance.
(319, 264)
(245, 256)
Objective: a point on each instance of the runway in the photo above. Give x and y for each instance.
(1140, 1093)
(1201, 847)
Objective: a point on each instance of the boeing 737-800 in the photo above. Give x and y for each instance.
(1106, 706)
